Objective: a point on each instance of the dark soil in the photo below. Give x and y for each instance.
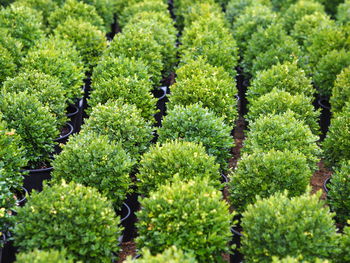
(128, 249)
(318, 179)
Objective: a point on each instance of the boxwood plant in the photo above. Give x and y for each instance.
(344, 244)
(200, 11)
(105, 9)
(339, 191)
(74, 9)
(286, 77)
(72, 217)
(44, 256)
(176, 255)
(298, 259)
(343, 15)
(122, 123)
(187, 160)
(7, 202)
(197, 124)
(290, 227)
(88, 39)
(264, 173)
(190, 215)
(279, 101)
(8, 67)
(341, 91)
(33, 122)
(46, 7)
(13, 46)
(198, 81)
(58, 57)
(282, 132)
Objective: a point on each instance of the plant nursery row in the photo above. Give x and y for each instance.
(175, 131)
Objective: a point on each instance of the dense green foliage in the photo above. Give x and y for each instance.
(266, 173)
(42, 256)
(13, 46)
(46, 7)
(344, 255)
(187, 160)
(190, 215)
(197, 81)
(8, 67)
(341, 91)
(7, 202)
(299, 259)
(197, 124)
(105, 9)
(93, 160)
(72, 217)
(343, 14)
(290, 227)
(203, 11)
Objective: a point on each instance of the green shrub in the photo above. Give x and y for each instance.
(298, 10)
(74, 9)
(198, 81)
(8, 67)
(48, 89)
(341, 91)
(190, 215)
(264, 173)
(13, 46)
(286, 77)
(33, 122)
(139, 43)
(299, 259)
(41, 256)
(282, 5)
(122, 123)
(46, 7)
(105, 9)
(88, 39)
(203, 11)
(12, 158)
(290, 227)
(327, 69)
(187, 160)
(269, 47)
(7, 202)
(23, 23)
(211, 40)
(339, 191)
(282, 132)
(172, 253)
(344, 255)
(123, 78)
(279, 101)
(343, 14)
(183, 7)
(93, 160)
(196, 124)
(72, 217)
(253, 17)
(59, 58)
(337, 143)
(331, 5)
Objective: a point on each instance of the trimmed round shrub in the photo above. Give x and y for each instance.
(121, 123)
(279, 101)
(343, 14)
(285, 77)
(264, 173)
(339, 190)
(198, 81)
(327, 69)
(211, 40)
(46, 7)
(8, 67)
(14, 48)
(298, 10)
(344, 244)
(88, 39)
(172, 253)
(33, 122)
(42, 256)
(282, 5)
(73, 9)
(269, 47)
(291, 227)
(194, 123)
(59, 58)
(253, 17)
(337, 143)
(23, 23)
(139, 43)
(72, 217)
(341, 91)
(203, 11)
(190, 215)
(105, 9)
(48, 90)
(282, 132)
(93, 160)
(187, 160)
(12, 158)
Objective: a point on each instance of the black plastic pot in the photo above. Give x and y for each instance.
(34, 179)
(2, 241)
(236, 256)
(75, 114)
(328, 180)
(242, 84)
(129, 223)
(325, 118)
(63, 138)
(124, 216)
(8, 253)
(160, 94)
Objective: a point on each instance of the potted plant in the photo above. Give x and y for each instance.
(194, 123)
(341, 91)
(198, 81)
(72, 217)
(265, 173)
(191, 215)
(290, 226)
(44, 256)
(344, 245)
(187, 160)
(282, 132)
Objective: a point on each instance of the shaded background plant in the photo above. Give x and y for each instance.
(43, 256)
(341, 91)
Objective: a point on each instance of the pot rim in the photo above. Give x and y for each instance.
(18, 202)
(325, 184)
(71, 130)
(31, 171)
(71, 114)
(128, 212)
